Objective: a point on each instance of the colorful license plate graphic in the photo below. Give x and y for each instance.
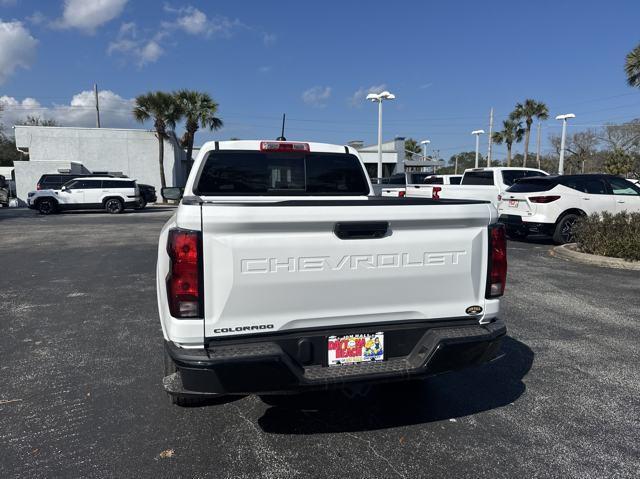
(513, 203)
(355, 348)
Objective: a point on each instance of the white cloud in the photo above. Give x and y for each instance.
(193, 21)
(317, 96)
(88, 15)
(115, 111)
(37, 18)
(357, 99)
(143, 51)
(17, 48)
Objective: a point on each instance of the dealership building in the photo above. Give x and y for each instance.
(128, 152)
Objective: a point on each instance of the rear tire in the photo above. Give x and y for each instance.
(564, 229)
(47, 206)
(114, 206)
(141, 205)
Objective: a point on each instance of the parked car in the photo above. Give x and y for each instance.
(280, 271)
(551, 205)
(93, 192)
(147, 195)
(54, 181)
(4, 191)
(477, 183)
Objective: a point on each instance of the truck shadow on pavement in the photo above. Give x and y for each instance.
(451, 395)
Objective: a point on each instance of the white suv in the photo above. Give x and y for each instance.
(111, 194)
(552, 204)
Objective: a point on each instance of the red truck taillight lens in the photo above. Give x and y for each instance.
(280, 146)
(184, 282)
(435, 192)
(543, 199)
(497, 268)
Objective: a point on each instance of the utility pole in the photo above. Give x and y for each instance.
(538, 147)
(455, 172)
(95, 91)
(490, 139)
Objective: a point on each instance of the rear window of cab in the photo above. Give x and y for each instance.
(229, 173)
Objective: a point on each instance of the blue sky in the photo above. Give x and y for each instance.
(447, 63)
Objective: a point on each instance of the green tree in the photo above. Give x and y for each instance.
(199, 111)
(465, 160)
(527, 111)
(32, 120)
(618, 162)
(411, 147)
(632, 67)
(511, 132)
(165, 111)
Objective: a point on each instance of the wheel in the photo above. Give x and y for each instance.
(564, 229)
(46, 206)
(184, 401)
(141, 204)
(114, 206)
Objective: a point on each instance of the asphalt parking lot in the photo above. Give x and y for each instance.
(81, 367)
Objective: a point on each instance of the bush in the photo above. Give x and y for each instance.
(609, 235)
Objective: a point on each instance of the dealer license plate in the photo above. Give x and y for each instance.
(355, 348)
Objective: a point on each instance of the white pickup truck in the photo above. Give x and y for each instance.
(281, 272)
(477, 183)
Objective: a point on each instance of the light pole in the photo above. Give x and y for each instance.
(564, 119)
(424, 144)
(477, 133)
(379, 98)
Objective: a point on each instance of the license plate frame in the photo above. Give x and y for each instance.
(355, 348)
(513, 203)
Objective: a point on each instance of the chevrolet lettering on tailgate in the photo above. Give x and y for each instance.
(349, 262)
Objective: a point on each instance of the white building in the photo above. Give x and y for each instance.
(395, 158)
(131, 152)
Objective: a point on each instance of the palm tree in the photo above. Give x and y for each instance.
(512, 131)
(199, 111)
(165, 112)
(527, 111)
(632, 67)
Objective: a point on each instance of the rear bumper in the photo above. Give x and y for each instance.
(519, 223)
(270, 365)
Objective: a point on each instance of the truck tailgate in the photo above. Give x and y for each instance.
(280, 266)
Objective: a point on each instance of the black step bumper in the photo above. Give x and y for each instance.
(268, 364)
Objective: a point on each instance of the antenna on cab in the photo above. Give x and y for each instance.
(281, 137)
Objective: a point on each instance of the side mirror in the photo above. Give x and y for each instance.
(172, 193)
(63, 188)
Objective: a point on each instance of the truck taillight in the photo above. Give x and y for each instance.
(184, 282)
(497, 268)
(435, 192)
(543, 199)
(280, 146)
(402, 194)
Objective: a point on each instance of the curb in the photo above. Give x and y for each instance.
(568, 252)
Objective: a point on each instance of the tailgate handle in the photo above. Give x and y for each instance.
(361, 230)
